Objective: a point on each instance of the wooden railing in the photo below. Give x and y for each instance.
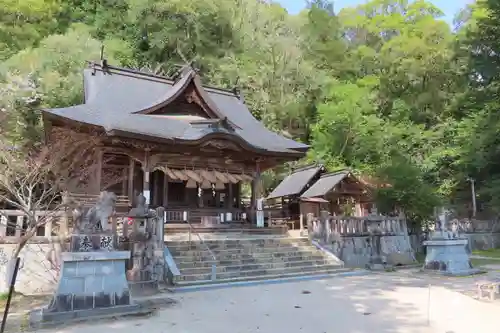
(195, 215)
(13, 223)
(88, 200)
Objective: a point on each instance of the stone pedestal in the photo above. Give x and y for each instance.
(376, 261)
(92, 242)
(448, 257)
(91, 283)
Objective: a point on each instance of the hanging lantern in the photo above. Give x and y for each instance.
(219, 186)
(191, 184)
(206, 185)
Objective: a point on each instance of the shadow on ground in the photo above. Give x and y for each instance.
(374, 303)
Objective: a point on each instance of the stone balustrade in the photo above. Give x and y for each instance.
(327, 226)
(13, 223)
(475, 226)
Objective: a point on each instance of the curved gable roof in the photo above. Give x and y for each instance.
(120, 99)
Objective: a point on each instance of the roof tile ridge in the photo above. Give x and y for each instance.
(307, 167)
(209, 88)
(333, 173)
(222, 91)
(98, 66)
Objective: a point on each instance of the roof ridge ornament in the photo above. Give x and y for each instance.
(237, 90)
(104, 62)
(92, 65)
(184, 70)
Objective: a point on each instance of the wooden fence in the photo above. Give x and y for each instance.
(13, 223)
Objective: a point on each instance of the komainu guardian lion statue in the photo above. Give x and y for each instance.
(96, 218)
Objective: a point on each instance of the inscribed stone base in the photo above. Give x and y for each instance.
(90, 281)
(92, 242)
(448, 257)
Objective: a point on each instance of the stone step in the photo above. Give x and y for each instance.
(332, 272)
(175, 249)
(249, 260)
(235, 243)
(221, 256)
(243, 250)
(245, 238)
(222, 248)
(254, 266)
(308, 269)
(240, 249)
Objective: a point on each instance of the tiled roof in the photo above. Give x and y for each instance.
(119, 99)
(295, 183)
(325, 184)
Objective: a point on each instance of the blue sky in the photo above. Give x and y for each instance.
(449, 7)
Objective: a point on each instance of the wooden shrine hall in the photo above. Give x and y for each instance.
(185, 146)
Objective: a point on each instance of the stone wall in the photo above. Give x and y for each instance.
(350, 238)
(483, 241)
(355, 251)
(37, 275)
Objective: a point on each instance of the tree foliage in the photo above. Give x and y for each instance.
(386, 88)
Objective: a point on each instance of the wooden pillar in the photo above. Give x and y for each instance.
(237, 196)
(253, 194)
(156, 188)
(99, 171)
(124, 180)
(146, 185)
(131, 173)
(230, 196)
(256, 186)
(187, 198)
(165, 190)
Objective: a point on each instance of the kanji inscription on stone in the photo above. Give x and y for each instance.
(85, 244)
(106, 243)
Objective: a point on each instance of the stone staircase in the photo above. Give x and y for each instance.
(266, 258)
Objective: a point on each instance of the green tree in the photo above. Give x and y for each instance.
(49, 76)
(24, 23)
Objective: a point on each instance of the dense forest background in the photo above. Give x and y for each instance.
(387, 89)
